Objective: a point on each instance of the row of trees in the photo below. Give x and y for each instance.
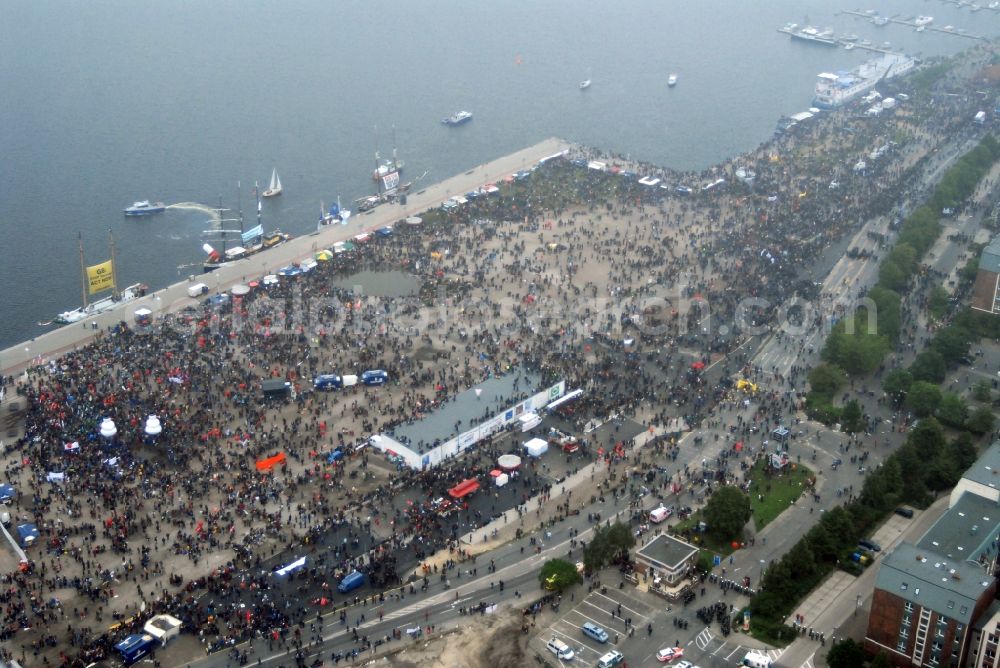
(926, 464)
(858, 344)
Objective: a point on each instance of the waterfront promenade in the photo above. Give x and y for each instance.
(174, 297)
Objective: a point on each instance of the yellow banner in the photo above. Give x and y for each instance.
(100, 277)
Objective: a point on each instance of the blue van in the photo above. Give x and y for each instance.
(351, 581)
(375, 377)
(594, 631)
(328, 381)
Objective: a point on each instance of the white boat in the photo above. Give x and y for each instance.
(130, 293)
(848, 46)
(585, 84)
(923, 21)
(672, 80)
(275, 187)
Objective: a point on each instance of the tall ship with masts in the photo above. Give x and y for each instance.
(252, 241)
(99, 279)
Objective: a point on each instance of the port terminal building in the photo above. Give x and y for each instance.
(469, 417)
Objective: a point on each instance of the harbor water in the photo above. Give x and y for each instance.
(109, 102)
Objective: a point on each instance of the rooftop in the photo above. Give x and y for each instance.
(667, 550)
(467, 409)
(949, 588)
(966, 531)
(990, 259)
(986, 470)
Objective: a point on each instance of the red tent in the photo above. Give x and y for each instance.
(463, 488)
(270, 462)
(698, 366)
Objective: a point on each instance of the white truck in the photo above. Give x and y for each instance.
(197, 290)
(757, 660)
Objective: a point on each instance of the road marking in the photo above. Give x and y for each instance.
(808, 662)
(738, 648)
(703, 638)
(624, 607)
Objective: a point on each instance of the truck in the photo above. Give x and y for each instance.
(980, 117)
(276, 388)
(351, 581)
(197, 290)
(756, 660)
(135, 646)
(563, 441)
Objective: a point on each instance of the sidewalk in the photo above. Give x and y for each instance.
(841, 598)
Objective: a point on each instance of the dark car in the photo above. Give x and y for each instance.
(905, 512)
(869, 545)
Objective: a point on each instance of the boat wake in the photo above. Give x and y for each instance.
(195, 206)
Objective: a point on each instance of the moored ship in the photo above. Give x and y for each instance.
(835, 89)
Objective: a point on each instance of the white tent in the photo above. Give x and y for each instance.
(536, 447)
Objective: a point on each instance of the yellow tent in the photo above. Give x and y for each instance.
(324, 255)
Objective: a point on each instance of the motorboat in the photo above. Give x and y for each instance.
(672, 80)
(144, 208)
(585, 84)
(458, 118)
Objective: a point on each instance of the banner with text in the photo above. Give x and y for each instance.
(100, 277)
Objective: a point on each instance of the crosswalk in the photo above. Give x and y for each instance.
(727, 651)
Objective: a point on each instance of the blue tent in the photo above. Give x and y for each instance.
(7, 493)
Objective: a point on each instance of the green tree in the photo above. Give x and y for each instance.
(962, 451)
(826, 379)
(727, 512)
(982, 391)
(621, 539)
(607, 544)
(929, 366)
(558, 575)
(851, 419)
(952, 410)
(981, 421)
(897, 383)
(881, 660)
(937, 302)
(891, 276)
(845, 654)
(923, 398)
(952, 342)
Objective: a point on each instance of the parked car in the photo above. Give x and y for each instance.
(594, 631)
(870, 545)
(905, 512)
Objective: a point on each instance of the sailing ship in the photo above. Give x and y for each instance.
(335, 216)
(252, 241)
(96, 279)
(275, 187)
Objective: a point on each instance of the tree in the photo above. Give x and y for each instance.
(981, 421)
(952, 342)
(851, 419)
(826, 379)
(897, 383)
(937, 302)
(881, 660)
(923, 398)
(953, 410)
(558, 575)
(982, 392)
(928, 365)
(845, 654)
(727, 512)
(606, 545)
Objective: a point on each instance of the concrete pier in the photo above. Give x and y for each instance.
(175, 297)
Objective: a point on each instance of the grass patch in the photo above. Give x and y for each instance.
(772, 493)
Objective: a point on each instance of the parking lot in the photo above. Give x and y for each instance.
(704, 646)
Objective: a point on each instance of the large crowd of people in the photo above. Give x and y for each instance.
(626, 290)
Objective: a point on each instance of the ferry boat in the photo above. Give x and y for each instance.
(458, 118)
(837, 89)
(144, 208)
(809, 34)
(672, 80)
